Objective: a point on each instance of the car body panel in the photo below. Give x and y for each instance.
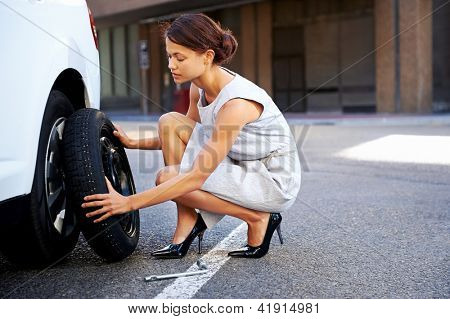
(39, 40)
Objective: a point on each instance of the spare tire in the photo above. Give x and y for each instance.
(91, 152)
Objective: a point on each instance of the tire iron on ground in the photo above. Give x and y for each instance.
(201, 265)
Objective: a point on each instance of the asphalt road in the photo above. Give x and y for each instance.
(372, 224)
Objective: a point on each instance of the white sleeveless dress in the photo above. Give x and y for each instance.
(262, 170)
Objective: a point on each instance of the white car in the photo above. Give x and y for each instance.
(50, 73)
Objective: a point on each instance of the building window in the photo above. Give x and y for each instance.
(314, 43)
(120, 77)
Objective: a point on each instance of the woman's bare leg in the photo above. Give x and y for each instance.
(256, 220)
(174, 131)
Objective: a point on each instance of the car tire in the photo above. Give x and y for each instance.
(91, 152)
(49, 231)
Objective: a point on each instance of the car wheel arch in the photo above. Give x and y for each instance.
(70, 82)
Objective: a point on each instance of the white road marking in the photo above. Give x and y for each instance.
(187, 287)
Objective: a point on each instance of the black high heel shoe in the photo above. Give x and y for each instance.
(259, 251)
(180, 250)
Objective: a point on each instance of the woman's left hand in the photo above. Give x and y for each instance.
(110, 204)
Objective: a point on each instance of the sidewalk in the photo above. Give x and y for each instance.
(383, 119)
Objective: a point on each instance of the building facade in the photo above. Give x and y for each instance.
(387, 56)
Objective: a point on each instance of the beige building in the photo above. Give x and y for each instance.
(310, 55)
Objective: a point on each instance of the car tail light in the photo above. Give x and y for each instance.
(94, 30)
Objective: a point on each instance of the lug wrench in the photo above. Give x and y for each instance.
(201, 265)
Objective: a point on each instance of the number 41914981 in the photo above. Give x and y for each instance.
(285, 308)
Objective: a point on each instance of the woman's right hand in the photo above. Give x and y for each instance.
(123, 137)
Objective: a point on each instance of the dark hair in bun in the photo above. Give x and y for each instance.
(200, 33)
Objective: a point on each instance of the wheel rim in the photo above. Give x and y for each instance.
(55, 190)
(118, 172)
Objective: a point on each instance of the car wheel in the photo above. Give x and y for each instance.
(91, 152)
(49, 231)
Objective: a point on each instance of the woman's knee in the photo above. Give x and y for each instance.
(166, 173)
(175, 123)
(169, 120)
